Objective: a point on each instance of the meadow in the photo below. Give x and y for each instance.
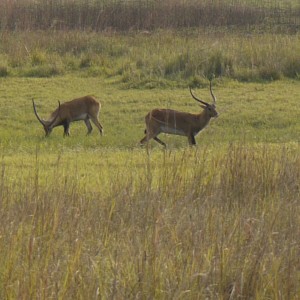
(99, 217)
(162, 58)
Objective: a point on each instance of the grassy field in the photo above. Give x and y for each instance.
(152, 59)
(99, 217)
(252, 112)
(190, 224)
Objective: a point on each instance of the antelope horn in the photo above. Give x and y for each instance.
(199, 100)
(36, 114)
(212, 94)
(55, 115)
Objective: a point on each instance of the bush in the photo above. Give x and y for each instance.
(43, 71)
(85, 62)
(245, 74)
(218, 65)
(269, 73)
(3, 71)
(177, 64)
(38, 58)
(292, 68)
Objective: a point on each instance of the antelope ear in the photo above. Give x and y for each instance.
(203, 106)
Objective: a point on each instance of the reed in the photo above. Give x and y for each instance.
(145, 14)
(190, 223)
(154, 59)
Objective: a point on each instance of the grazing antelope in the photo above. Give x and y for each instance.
(85, 108)
(179, 123)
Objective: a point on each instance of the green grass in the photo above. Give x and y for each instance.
(256, 112)
(98, 217)
(90, 217)
(153, 59)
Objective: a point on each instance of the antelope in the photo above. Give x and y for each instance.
(179, 123)
(85, 108)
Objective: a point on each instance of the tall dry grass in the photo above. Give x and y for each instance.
(189, 224)
(156, 59)
(145, 14)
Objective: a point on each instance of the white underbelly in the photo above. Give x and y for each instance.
(80, 117)
(169, 130)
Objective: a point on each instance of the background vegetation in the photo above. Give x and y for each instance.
(127, 15)
(151, 43)
(152, 60)
(101, 218)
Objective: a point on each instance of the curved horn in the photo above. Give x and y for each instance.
(201, 101)
(51, 123)
(36, 114)
(212, 94)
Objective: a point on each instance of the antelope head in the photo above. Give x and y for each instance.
(47, 124)
(210, 108)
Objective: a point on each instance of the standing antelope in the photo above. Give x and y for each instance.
(84, 108)
(179, 123)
